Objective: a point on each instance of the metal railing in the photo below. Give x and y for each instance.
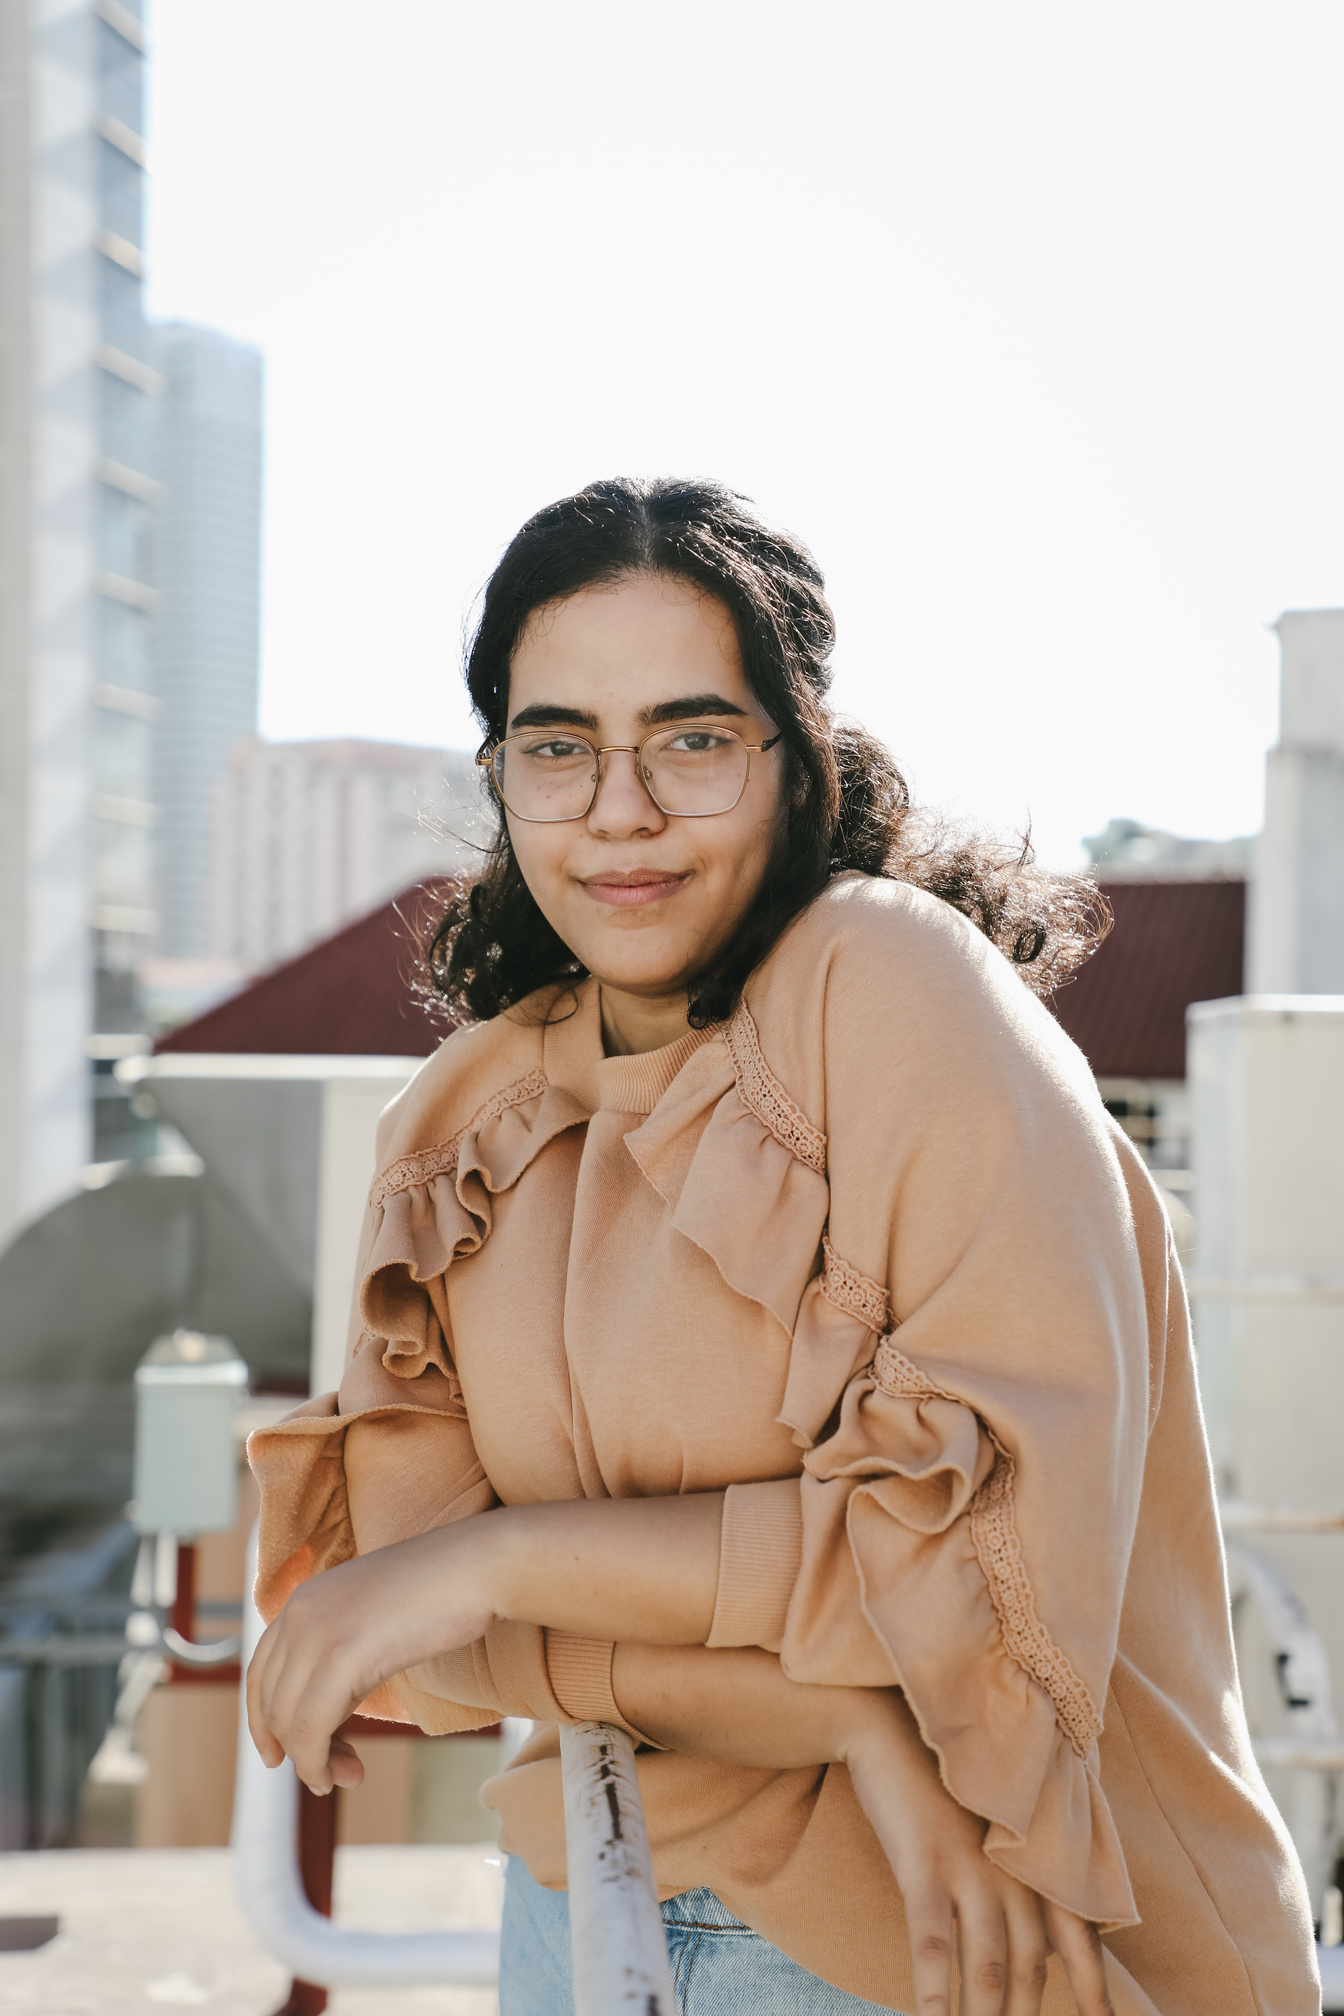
(616, 1931)
(619, 1947)
(269, 1884)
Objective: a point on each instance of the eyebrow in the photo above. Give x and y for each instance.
(695, 707)
(543, 715)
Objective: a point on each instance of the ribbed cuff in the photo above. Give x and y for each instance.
(580, 1670)
(760, 1552)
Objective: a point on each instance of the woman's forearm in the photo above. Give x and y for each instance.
(642, 1569)
(738, 1707)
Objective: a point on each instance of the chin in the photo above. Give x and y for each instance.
(642, 975)
(655, 982)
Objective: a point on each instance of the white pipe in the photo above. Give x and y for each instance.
(616, 1929)
(1238, 1517)
(270, 1889)
(1280, 1753)
(1289, 1288)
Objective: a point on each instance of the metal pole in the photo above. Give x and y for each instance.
(1238, 1517)
(270, 1889)
(616, 1929)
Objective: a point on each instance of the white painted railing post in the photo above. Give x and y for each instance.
(616, 1929)
(270, 1888)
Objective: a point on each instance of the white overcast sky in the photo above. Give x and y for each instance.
(1028, 318)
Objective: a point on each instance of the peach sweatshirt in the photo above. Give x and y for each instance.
(871, 1257)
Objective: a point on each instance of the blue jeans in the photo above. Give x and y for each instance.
(720, 1967)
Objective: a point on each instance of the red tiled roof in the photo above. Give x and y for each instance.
(1173, 943)
(352, 995)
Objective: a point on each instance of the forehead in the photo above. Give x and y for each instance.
(618, 642)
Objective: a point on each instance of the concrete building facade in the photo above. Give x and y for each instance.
(76, 703)
(1296, 918)
(309, 835)
(207, 570)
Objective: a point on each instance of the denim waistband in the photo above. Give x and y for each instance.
(700, 1907)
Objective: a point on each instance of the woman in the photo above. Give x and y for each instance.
(764, 1341)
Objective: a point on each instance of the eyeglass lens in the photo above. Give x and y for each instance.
(689, 771)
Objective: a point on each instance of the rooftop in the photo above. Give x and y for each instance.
(1174, 942)
(353, 994)
(143, 1929)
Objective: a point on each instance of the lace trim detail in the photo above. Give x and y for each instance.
(898, 1375)
(999, 1552)
(759, 1089)
(428, 1163)
(1025, 1638)
(852, 1293)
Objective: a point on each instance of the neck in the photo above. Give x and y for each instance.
(631, 1024)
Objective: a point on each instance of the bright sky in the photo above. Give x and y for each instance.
(1029, 319)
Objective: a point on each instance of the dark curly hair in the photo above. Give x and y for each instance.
(846, 803)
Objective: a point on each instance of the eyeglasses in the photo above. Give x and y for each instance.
(691, 771)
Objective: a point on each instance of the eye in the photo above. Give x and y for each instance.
(555, 749)
(697, 741)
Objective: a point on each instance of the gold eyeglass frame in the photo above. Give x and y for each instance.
(486, 760)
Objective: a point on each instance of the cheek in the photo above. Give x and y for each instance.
(540, 853)
(738, 860)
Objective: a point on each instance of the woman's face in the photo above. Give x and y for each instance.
(644, 899)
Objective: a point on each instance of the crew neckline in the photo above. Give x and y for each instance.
(636, 1084)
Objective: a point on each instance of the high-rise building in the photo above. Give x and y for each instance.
(207, 570)
(311, 834)
(77, 710)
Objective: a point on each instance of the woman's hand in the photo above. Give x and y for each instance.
(342, 1634)
(601, 1568)
(738, 1707)
(956, 1900)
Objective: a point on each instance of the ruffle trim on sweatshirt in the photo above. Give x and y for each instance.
(923, 1487)
(433, 1207)
(431, 1162)
(908, 1520)
(742, 1169)
(760, 1090)
(852, 1293)
(999, 1552)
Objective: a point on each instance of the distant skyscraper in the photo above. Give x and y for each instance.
(207, 570)
(76, 703)
(311, 834)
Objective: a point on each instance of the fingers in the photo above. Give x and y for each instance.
(304, 1714)
(1003, 1948)
(928, 1917)
(1078, 1944)
(982, 1936)
(271, 1751)
(1028, 1953)
(294, 1710)
(346, 1768)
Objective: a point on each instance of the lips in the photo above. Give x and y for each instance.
(626, 889)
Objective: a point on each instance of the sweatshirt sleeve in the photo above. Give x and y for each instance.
(391, 1454)
(760, 1553)
(974, 1356)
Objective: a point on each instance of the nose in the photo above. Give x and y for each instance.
(623, 806)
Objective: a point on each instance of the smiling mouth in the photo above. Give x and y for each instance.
(634, 886)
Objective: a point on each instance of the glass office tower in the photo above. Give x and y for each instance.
(207, 559)
(77, 385)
